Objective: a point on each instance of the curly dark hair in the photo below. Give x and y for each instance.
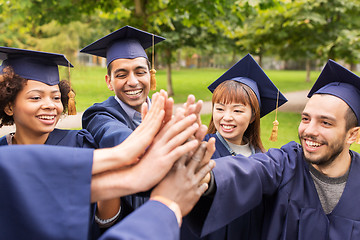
(10, 86)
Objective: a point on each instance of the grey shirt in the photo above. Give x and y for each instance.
(329, 189)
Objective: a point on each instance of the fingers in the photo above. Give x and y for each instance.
(204, 171)
(175, 126)
(197, 157)
(176, 138)
(201, 132)
(144, 110)
(181, 150)
(169, 105)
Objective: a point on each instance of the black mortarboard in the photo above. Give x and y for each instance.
(338, 81)
(34, 65)
(248, 72)
(126, 42)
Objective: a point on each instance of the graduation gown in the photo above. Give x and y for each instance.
(153, 220)
(247, 226)
(70, 138)
(45, 192)
(108, 123)
(295, 212)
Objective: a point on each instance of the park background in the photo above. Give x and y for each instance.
(291, 40)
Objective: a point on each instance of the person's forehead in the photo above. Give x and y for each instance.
(326, 105)
(129, 63)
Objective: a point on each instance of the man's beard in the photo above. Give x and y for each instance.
(333, 152)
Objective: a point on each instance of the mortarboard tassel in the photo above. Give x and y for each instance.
(274, 131)
(153, 71)
(71, 102)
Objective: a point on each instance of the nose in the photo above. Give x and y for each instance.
(227, 116)
(311, 128)
(48, 103)
(132, 80)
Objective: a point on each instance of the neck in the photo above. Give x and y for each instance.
(336, 168)
(20, 138)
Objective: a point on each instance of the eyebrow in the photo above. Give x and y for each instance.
(235, 105)
(320, 117)
(41, 91)
(126, 70)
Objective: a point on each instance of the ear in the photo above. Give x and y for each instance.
(352, 135)
(108, 82)
(9, 110)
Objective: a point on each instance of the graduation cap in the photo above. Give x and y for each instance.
(248, 72)
(34, 65)
(126, 42)
(338, 81)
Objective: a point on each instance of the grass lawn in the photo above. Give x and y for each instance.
(89, 83)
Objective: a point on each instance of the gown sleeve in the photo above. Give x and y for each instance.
(153, 220)
(45, 192)
(108, 123)
(241, 182)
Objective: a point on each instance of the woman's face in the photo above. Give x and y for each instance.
(37, 108)
(232, 120)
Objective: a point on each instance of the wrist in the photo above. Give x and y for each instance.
(173, 206)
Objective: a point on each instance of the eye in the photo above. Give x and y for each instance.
(219, 109)
(35, 98)
(120, 75)
(238, 111)
(57, 98)
(304, 119)
(141, 73)
(326, 123)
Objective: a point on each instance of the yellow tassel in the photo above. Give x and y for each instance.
(358, 137)
(274, 132)
(71, 103)
(152, 79)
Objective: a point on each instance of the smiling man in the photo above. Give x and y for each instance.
(310, 188)
(128, 75)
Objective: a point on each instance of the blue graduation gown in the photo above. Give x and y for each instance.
(70, 138)
(45, 192)
(108, 123)
(110, 126)
(153, 220)
(295, 212)
(247, 226)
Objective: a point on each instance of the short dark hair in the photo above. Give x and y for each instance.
(351, 119)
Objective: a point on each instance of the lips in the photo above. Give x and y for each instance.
(46, 117)
(132, 93)
(227, 127)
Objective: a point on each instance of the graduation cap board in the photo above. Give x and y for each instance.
(126, 42)
(34, 65)
(248, 72)
(338, 81)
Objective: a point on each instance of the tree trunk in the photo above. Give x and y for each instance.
(353, 67)
(308, 70)
(260, 60)
(169, 87)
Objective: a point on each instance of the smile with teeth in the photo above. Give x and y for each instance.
(46, 117)
(312, 144)
(228, 127)
(133, 92)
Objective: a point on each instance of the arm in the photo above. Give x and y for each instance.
(173, 198)
(242, 182)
